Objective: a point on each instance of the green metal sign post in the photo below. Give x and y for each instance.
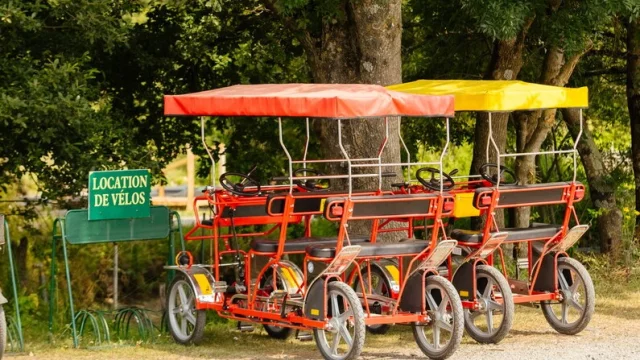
(5, 238)
(119, 194)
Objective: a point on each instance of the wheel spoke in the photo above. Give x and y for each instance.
(183, 296)
(189, 316)
(431, 302)
(490, 322)
(574, 304)
(335, 343)
(565, 312)
(346, 315)
(445, 325)
(563, 282)
(436, 336)
(344, 332)
(183, 325)
(494, 305)
(175, 310)
(487, 290)
(335, 309)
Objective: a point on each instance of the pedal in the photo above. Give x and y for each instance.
(245, 327)
(304, 335)
(523, 263)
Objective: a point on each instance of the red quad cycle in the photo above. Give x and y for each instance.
(559, 284)
(333, 295)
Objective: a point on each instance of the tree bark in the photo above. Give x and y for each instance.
(633, 103)
(602, 192)
(533, 126)
(506, 62)
(361, 47)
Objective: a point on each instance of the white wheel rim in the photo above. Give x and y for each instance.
(438, 332)
(489, 318)
(339, 340)
(569, 311)
(182, 310)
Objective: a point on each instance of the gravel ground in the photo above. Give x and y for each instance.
(613, 333)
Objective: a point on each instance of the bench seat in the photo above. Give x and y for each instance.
(536, 231)
(408, 247)
(265, 245)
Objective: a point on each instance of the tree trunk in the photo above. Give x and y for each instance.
(363, 46)
(533, 126)
(602, 192)
(506, 62)
(633, 102)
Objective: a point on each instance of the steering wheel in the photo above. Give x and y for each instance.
(309, 184)
(433, 183)
(494, 179)
(239, 188)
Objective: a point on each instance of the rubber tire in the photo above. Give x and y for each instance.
(277, 332)
(590, 302)
(358, 318)
(201, 318)
(458, 321)
(509, 311)
(3, 332)
(379, 329)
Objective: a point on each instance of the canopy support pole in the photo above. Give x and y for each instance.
(384, 144)
(406, 150)
(444, 151)
(575, 149)
(284, 147)
(346, 156)
(306, 147)
(213, 162)
(495, 146)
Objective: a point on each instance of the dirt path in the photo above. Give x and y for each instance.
(612, 334)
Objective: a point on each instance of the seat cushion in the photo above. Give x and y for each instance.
(271, 246)
(535, 231)
(410, 247)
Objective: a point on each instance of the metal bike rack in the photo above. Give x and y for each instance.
(75, 229)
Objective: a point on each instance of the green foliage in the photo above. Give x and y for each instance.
(499, 19)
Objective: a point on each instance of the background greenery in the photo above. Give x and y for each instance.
(81, 85)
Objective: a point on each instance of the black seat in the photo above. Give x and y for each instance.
(271, 246)
(535, 231)
(409, 247)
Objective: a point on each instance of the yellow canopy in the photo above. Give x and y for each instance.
(499, 95)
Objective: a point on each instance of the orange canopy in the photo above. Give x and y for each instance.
(308, 100)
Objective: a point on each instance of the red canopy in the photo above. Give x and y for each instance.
(307, 100)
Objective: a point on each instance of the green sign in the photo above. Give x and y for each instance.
(119, 194)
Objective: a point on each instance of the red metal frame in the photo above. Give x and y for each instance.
(572, 192)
